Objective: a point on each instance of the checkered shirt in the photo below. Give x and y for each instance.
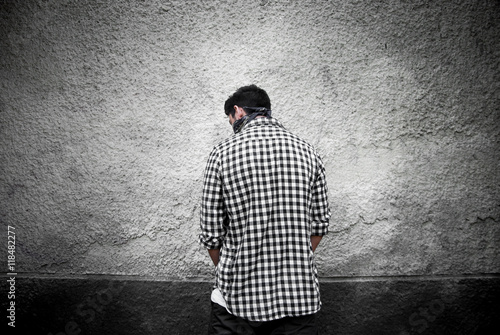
(264, 196)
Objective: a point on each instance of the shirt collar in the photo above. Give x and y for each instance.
(263, 121)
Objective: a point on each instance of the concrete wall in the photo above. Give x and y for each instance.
(108, 110)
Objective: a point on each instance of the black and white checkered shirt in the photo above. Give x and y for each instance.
(264, 196)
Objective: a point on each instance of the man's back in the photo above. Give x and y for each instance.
(264, 197)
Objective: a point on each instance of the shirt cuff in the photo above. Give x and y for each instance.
(319, 229)
(211, 242)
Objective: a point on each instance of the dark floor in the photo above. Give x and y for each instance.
(357, 306)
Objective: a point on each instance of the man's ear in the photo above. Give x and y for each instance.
(239, 112)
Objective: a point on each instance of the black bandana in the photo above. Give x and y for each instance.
(254, 112)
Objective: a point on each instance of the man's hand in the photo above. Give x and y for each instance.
(214, 255)
(315, 241)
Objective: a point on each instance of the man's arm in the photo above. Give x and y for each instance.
(315, 241)
(212, 213)
(320, 213)
(214, 255)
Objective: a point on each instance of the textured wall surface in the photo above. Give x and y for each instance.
(108, 110)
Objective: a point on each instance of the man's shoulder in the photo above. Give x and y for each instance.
(276, 131)
(228, 142)
(301, 142)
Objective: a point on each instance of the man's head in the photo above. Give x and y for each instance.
(246, 96)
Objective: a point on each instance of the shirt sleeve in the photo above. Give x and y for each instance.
(213, 214)
(320, 209)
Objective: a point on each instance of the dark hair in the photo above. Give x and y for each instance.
(247, 96)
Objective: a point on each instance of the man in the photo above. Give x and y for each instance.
(264, 211)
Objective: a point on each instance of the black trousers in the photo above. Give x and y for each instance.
(224, 323)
